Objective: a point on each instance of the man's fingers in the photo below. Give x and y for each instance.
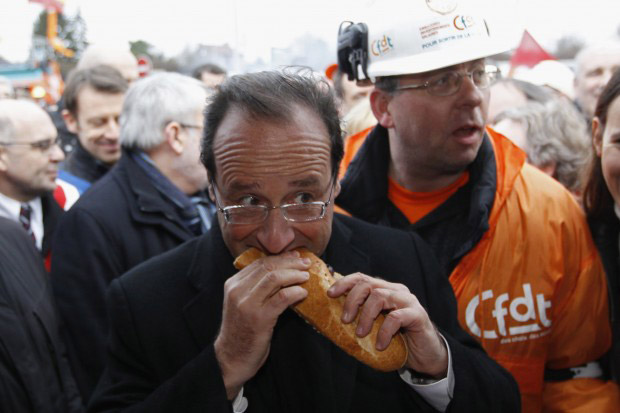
(288, 260)
(344, 284)
(285, 297)
(355, 299)
(379, 299)
(392, 323)
(272, 282)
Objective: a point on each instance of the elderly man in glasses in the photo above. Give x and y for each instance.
(189, 333)
(29, 159)
(513, 243)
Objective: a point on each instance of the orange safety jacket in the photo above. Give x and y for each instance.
(532, 290)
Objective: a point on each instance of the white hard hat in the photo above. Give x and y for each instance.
(553, 74)
(421, 36)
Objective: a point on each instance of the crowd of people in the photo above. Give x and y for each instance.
(479, 213)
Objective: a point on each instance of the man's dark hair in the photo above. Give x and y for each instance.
(273, 95)
(209, 68)
(102, 78)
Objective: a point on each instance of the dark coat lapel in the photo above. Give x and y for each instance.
(345, 259)
(302, 363)
(150, 208)
(305, 364)
(51, 214)
(210, 268)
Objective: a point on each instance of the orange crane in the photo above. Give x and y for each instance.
(53, 84)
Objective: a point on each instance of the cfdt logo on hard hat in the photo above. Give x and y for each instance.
(441, 6)
(463, 22)
(381, 46)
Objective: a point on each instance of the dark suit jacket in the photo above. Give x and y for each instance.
(119, 222)
(34, 372)
(51, 216)
(606, 231)
(165, 315)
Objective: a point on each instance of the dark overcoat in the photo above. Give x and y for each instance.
(121, 221)
(165, 315)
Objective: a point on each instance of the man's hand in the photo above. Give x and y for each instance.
(370, 296)
(254, 298)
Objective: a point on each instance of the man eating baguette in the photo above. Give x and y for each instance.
(189, 332)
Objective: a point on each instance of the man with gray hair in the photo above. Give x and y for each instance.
(554, 137)
(150, 202)
(594, 66)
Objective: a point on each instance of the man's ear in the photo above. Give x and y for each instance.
(70, 121)
(174, 138)
(337, 189)
(597, 136)
(210, 189)
(379, 103)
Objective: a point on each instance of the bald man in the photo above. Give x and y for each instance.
(120, 59)
(594, 66)
(29, 158)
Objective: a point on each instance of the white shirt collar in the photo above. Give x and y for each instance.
(9, 208)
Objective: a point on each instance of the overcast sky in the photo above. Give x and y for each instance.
(255, 26)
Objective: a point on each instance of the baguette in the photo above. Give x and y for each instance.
(323, 313)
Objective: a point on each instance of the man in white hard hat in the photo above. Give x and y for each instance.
(512, 241)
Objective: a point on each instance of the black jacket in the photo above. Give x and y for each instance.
(606, 234)
(451, 230)
(165, 315)
(34, 371)
(51, 216)
(119, 222)
(82, 164)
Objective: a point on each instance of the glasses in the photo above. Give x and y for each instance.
(43, 145)
(449, 83)
(256, 214)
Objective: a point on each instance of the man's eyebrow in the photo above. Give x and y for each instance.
(242, 186)
(305, 183)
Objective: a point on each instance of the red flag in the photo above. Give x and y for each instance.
(56, 5)
(529, 52)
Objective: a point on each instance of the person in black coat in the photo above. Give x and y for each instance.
(29, 161)
(34, 372)
(601, 199)
(190, 333)
(140, 209)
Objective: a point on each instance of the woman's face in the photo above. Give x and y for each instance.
(607, 146)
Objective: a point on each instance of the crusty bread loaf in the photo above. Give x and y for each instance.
(324, 314)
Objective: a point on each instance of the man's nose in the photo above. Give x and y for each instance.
(56, 154)
(112, 130)
(605, 78)
(469, 93)
(276, 233)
